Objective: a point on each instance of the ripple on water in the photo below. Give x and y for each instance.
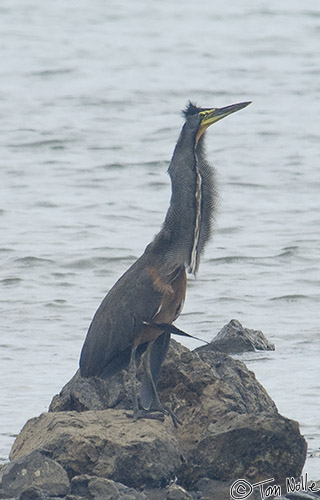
(98, 262)
(57, 303)
(235, 259)
(31, 261)
(11, 281)
(292, 298)
(288, 251)
(52, 143)
(48, 73)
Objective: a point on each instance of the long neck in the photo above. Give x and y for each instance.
(187, 225)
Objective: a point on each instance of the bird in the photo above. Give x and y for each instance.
(136, 316)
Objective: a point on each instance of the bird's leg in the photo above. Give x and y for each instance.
(156, 405)
(133, 380)
(137, 413)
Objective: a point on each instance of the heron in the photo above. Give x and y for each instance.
(136, 315)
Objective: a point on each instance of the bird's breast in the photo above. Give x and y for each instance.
(173, 291)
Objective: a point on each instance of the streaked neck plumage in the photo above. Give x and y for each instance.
(187, 226)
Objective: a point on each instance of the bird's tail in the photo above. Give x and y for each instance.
(169, 328)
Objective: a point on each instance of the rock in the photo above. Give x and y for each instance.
(254, 447)
(74, 497)
(105, 444)
(176, 492)
(34, 469)
(230, 428)
(210, 489)
(35, 494)
(233, 338)
(190, 377)
(82, 394)
(97, 488)
(211, 384)
(240, 384)
(155, 493)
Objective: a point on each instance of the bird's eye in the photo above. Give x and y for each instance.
(206, 112)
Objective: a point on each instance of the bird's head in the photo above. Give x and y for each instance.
(202, 118)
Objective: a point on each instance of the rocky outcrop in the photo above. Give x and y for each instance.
(83, 394)
(188, 379)
(230, 428)
(37, 470)
(233, 338)
(105, 444)
(97, 488)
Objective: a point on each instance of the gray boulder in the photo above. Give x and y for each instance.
(97, 488)
(209, 489)
(105, 444)
(83, 394)
(176, 492)
(183, 377)
(34, 469)
(233, 338)
(230, 428)
(34, 493)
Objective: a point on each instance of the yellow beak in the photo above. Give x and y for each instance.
(210, 116)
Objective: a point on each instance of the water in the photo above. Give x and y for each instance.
(90, 101)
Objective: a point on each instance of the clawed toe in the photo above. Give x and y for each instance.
(155, 414)
(173, 416)
(146, 414)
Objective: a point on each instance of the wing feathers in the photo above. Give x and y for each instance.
(119, 319)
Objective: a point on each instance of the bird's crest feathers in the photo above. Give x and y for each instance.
(191, 109)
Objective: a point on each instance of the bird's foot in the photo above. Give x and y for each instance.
(168, 411)
(150, 414)
(163, 410)
(155, 413)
